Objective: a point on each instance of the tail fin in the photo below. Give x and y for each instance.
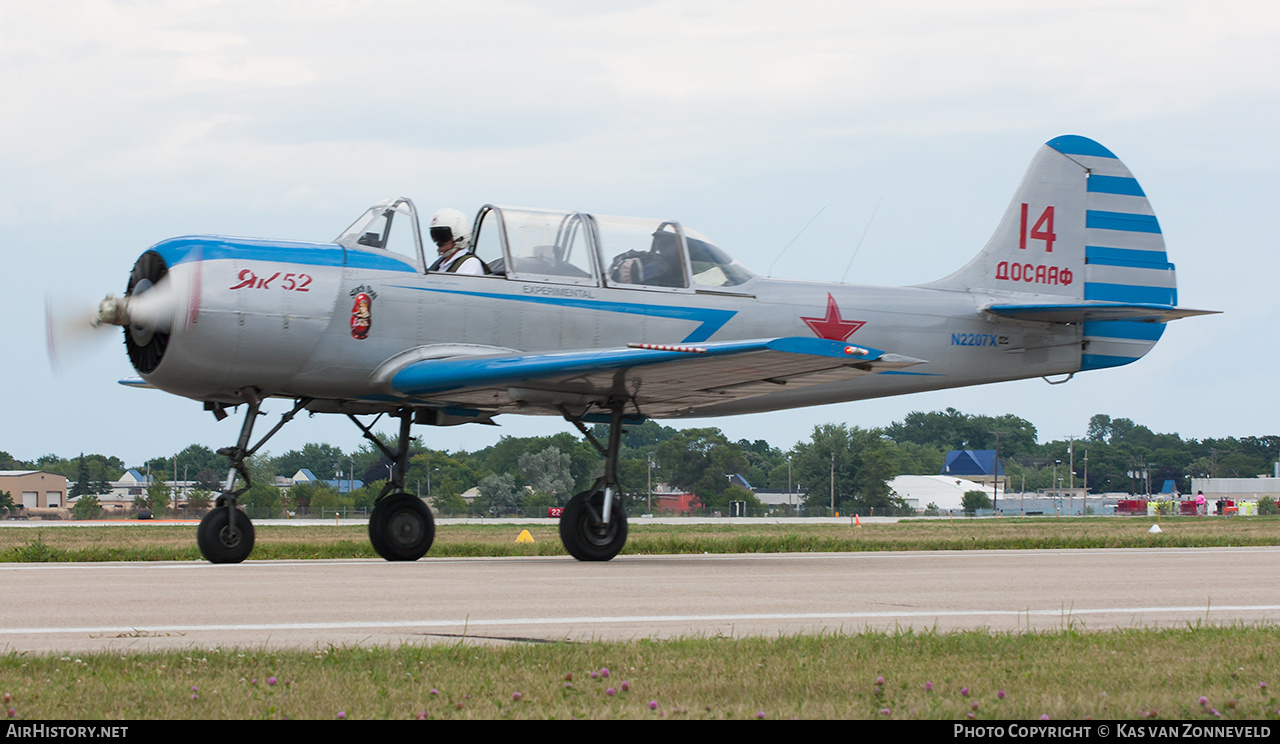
(1080, 238)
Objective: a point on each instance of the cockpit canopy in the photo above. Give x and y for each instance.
(374, 230)
(565, 247)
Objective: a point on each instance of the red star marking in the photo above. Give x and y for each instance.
(833, 326)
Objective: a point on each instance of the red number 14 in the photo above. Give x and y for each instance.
(1042, 230)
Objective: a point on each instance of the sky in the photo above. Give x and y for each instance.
(903, 126)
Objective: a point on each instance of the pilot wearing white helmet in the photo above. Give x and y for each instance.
(451, 232)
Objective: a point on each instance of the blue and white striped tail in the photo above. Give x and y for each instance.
(1124, 255)
(1079, 245)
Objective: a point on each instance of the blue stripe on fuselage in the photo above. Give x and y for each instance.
(211, 248)
(710, 320)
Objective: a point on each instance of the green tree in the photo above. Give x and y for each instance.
(81, 486)
(301, 495)
(972, 501)
(738, 493)
(198, 500)
(450, 503)
(700, 461)
(261, 501)
(87, 507)
(323, 460)
(855, 463)
(547, 472)
(154, 499)
(951, 429)
(500, 493)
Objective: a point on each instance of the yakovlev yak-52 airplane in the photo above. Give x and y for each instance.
(612, 320)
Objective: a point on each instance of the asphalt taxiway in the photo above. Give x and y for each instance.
(82, 607)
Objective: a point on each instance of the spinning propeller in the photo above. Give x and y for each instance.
(149, 311)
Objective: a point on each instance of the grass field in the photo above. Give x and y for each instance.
(170, 543)
(1193, 673)
(1196, 672)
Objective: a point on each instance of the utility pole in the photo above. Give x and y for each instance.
(1084, 506)
(790, 501)
(833, 483)
(649, 498)
(995, 482)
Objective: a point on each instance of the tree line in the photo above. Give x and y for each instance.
(848, 465)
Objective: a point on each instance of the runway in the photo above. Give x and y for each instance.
(71, 608)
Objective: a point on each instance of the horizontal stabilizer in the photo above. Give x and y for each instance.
(1080, 312)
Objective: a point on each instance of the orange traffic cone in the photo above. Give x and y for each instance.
(856, 521)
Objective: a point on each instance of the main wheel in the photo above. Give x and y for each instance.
(222, 542)
(401, 528)
(583, 531)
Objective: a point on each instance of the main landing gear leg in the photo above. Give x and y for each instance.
(225, 535)
(593, 526)
(401, 527)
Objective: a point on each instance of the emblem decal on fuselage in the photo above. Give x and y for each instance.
(832, 326)
(362, 315)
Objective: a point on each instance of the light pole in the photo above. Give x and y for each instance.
(649, 497)
(790, 501)
(833, 484)
(995, 482)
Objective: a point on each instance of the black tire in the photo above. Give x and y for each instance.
(583, 533)
(221, 544)
(401, 528)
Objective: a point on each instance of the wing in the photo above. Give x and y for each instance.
(662, 380)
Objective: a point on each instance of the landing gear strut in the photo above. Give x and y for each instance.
(593, 526)
(225, 534)
(401, 527)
